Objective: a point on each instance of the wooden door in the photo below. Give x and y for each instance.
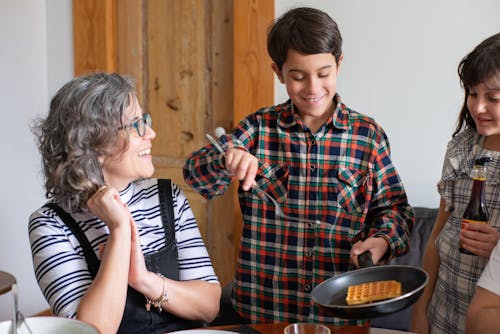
(198, 64)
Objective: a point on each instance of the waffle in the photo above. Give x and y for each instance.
(372, 291)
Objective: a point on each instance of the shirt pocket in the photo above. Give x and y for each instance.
(352, 189)
(452, 180)
(273, 178)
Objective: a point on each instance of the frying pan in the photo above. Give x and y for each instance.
(330, 294)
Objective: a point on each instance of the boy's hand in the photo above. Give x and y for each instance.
(243, 166)
(376, 245)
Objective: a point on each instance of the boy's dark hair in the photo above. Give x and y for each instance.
(479, 66)
(306, 30)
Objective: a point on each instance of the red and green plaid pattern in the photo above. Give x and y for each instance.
(341, 176)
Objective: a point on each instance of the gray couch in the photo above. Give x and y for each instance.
(424, 221)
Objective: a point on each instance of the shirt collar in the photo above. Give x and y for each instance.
(127, 193)
(288, 118)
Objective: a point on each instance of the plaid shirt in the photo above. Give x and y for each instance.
(458, 273)
(341, 176)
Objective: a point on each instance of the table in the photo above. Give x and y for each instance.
(278, 329)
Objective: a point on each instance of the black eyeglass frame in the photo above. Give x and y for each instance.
(139, 125)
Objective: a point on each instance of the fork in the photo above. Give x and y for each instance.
(278, 211)
(216, 144)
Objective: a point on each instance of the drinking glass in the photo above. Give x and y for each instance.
(306, 328)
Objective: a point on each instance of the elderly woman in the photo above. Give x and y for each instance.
(113, 247)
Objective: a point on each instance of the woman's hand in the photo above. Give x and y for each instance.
(479, 238)
(376, 245)
(104, 301)
(106, 204)
(138, 271)
(243, 166)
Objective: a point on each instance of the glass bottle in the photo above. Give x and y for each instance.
(476, 210)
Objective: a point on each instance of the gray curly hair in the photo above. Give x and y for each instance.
(81, 127)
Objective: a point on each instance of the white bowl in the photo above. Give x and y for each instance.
(50, 325)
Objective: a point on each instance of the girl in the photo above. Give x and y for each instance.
(443, 305)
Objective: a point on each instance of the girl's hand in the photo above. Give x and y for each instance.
(243, 166)
(479, 238)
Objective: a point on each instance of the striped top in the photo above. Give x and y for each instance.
(342, 176)
(58, 260)
(458, 273)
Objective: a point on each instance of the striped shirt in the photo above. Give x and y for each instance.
(59, 263)
(342, 176)
(458, 273)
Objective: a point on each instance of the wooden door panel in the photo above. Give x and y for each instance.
(196, 68)
(130, 38)
(177, 75)
(253, 76)
(94, 35)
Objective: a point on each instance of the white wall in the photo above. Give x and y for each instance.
(35, 58)
(400, 67)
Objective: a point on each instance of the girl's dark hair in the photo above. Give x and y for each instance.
(306, 30)
(479, 66)
(81, 127)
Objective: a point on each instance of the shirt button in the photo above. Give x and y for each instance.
(307, 287)
(312, 168)
(310, 225)
(309, 254)
(313, 142)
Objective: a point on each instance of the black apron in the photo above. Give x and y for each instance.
(136, 319)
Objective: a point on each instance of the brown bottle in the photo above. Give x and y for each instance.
(476, 210)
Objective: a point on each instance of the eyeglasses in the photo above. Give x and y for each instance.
(140, 124)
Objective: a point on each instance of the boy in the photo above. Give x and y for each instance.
(322, 161)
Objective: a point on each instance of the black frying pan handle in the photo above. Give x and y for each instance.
(365, 259)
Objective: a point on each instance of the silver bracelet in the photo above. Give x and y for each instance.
(163, 298)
